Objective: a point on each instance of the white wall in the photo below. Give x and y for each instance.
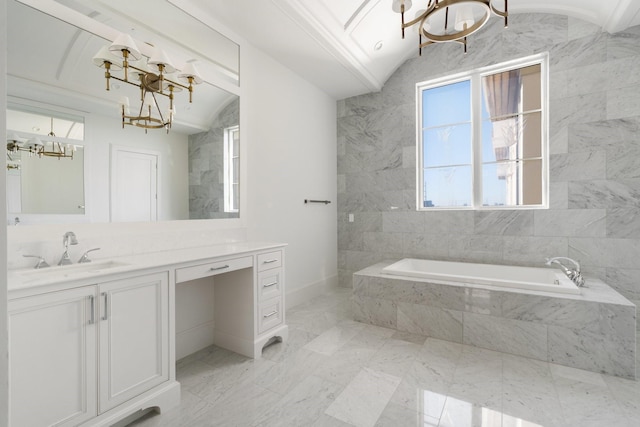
(4, 385)
(291, 130)
(173, 180)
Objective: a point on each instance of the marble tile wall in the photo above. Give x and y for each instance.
(594, 160)
(206, 167)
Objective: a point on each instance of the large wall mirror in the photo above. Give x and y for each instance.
(56, 95)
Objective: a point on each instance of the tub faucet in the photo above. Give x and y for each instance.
(69, 238)
(572, 273)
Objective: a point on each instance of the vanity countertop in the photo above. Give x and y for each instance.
(25, 282)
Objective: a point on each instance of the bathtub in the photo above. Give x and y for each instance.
(529, 278)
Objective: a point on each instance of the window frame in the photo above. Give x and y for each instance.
(475, 78)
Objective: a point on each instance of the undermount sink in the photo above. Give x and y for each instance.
(72, 270)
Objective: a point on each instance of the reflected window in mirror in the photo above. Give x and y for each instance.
(213, 168)
(231, 168)
(45, 162)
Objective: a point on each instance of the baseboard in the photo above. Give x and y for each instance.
(194, 339)
(304, 294)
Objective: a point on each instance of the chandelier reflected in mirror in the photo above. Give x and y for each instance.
(449, 20)
(34, 146)
(152, 76)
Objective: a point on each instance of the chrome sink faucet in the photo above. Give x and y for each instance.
(85, 257)
(69, 238)
(572, 273)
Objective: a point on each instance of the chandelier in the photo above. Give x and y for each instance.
(36, 147)
(150, 76)
(449, 20)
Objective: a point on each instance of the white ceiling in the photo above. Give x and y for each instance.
(331, 42)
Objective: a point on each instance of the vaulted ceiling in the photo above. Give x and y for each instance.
(332, 43)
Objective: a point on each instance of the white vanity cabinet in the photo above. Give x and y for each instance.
(53, 359)
(76, 354)
(93, 345)
(249, 299)
(134, 337)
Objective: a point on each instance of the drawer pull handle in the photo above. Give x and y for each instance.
(270, 284)
(218, 268)
(269, 261)
(273, 313)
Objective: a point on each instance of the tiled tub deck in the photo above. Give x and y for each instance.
(595, 330)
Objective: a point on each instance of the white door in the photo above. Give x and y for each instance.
(134, 332)
(52, 359)
(134, 185)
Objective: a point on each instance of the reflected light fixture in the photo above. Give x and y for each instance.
(449, 20)
(36, 147)
(151, 75)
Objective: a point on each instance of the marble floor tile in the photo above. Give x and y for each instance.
(395, 357)
(303, 404)
(396, 415)
(327, 376)
(297, 339)
(282, 377)
(328, 421)
(364, 398)
(330, 341)
(345, 364)
(627, 393)
(244, 405)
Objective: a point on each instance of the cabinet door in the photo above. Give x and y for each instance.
(134, 337)
(52, 359)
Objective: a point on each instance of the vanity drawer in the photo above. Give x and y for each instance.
(212, 268)
(269, 284)
(269, 260)
(269, 314)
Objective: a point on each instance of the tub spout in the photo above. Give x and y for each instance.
(572, 273)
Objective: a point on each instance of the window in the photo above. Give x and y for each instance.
(231, 169)
(482, 140)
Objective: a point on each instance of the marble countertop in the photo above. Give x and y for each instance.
(25, 282)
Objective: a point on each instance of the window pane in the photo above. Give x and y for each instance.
(446, 104)
(447, 187)
(512, 183)
(511, 92)
(512, 138)
(447, 145)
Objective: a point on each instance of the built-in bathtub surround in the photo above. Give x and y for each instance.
(594, 330)
(594, 214)
(206, 167)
